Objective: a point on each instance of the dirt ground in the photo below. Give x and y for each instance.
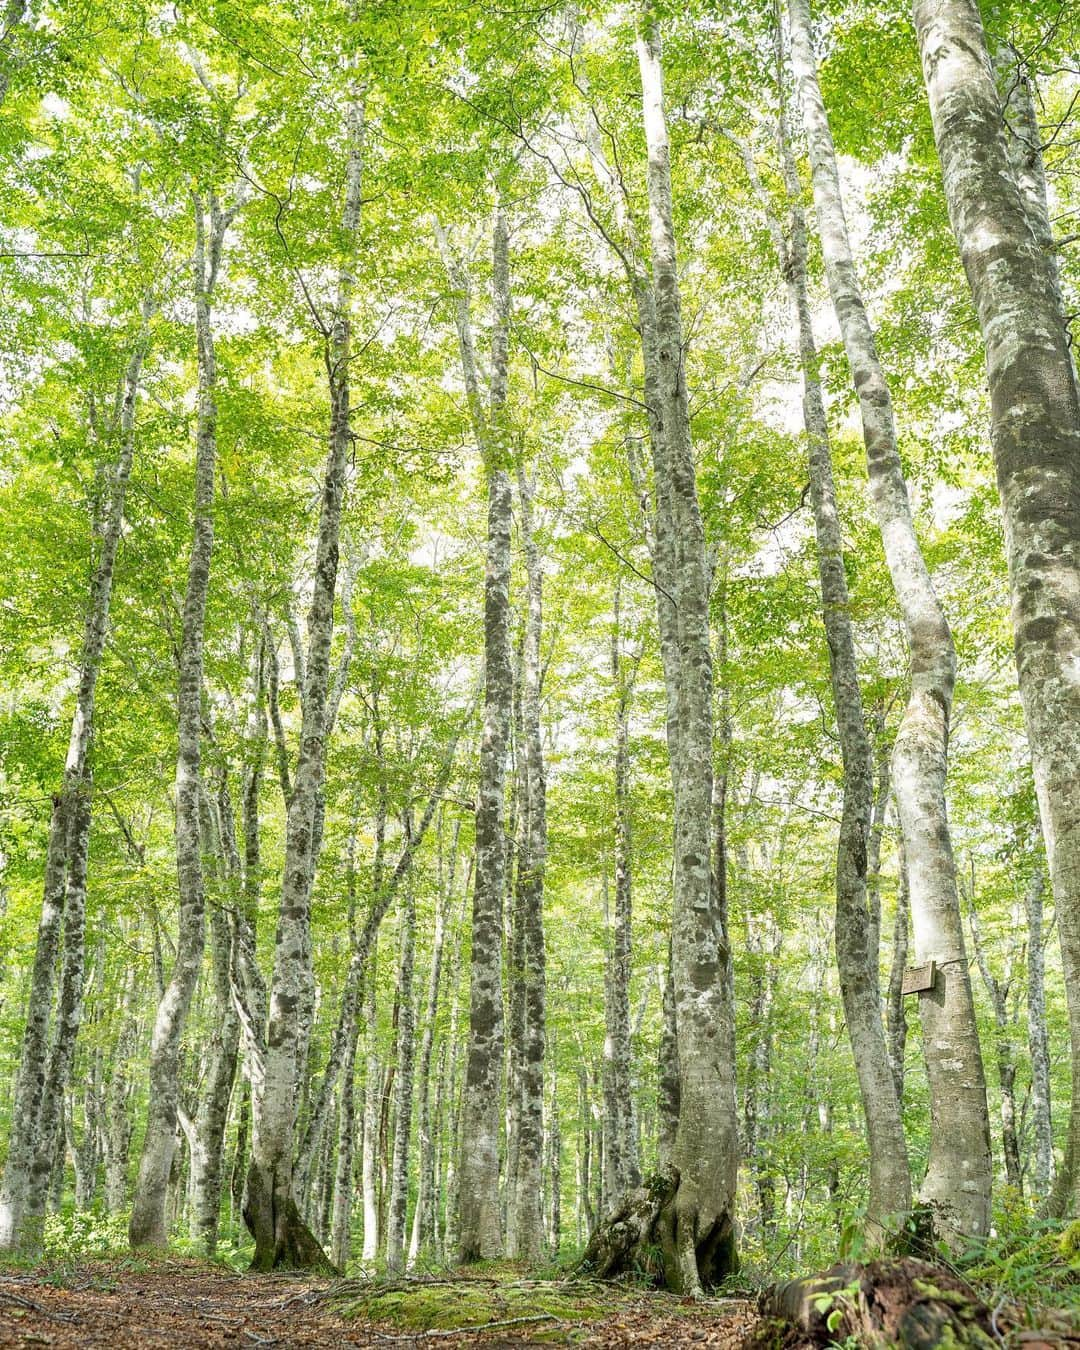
(178, 1304)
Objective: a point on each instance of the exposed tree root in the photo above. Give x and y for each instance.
(283, 1241)
(650, 1235)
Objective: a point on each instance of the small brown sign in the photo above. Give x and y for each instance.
(918, 979)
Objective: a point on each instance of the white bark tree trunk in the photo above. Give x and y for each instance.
(479, 1230)
(698, 1229)
(403, 1091)
(1042, 1175)
(148, 1226)
(856, 927)
(421, 1234)
(369, 1160)
(622, 1167)
(1035, 431)
(281, 1235)
(529, 1226)
(959, 1171)
(69, 835)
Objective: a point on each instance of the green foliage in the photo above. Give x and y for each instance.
(73, 1236)
(1031, 1261)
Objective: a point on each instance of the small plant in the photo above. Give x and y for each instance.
(84, 1233)
(834, 1305)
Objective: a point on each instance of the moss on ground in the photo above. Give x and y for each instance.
(548, 1309)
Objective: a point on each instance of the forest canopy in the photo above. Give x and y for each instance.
(540, 633)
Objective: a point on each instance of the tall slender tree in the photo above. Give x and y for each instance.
(1035, 432)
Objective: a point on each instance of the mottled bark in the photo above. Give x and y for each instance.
(1042, 1174)
(479, 1229)
(532, 860)
(423, 1225)
(998, 991)
(855, 928)
(622, 1167)
(68, 1021)
(895, 1007)
(148, 1225)
(757, 1085)
(384, 892)
(1035, 431)
(698, 1226)
(271, 1213)
(404, 1057)
(959, 1171)
(369, 1160)
(553, 1134)
(116, 1136)
(66, 854)
(1024, 144)
(208, 1141)
(667, 1075)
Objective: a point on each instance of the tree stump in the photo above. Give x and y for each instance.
(899, 1302)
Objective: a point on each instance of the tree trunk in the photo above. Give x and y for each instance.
(403, 1091)
(66, 851)
(148, 1226)
(554, 1138)
(423, 1226)
(68, 1021)
(998, 993)
(1038, 1041)
(895, 1008)
(370, 1151)
(282, 1238)
(698, 1225)
(959, 1171)
(855, 929)
(667, 1085)
(207, 1155)
(529, 1226)
(1035, 431)
(479, 1229)
(622, 1167)
(118, 1124)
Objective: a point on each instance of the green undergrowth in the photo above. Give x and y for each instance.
(1033, 1262)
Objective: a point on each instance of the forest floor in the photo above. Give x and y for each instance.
(178, 1303)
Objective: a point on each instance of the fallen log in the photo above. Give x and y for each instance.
(896, 1302)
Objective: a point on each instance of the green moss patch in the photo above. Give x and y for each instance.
(545, 1310)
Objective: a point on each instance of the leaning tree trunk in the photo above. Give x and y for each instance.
(282, 1238)
(1035, 431)
(856, 928)
(697, 1225)
(959, 1171)
(68, 1021)
(68, 840)
(148, 1226)
(479, 1229)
